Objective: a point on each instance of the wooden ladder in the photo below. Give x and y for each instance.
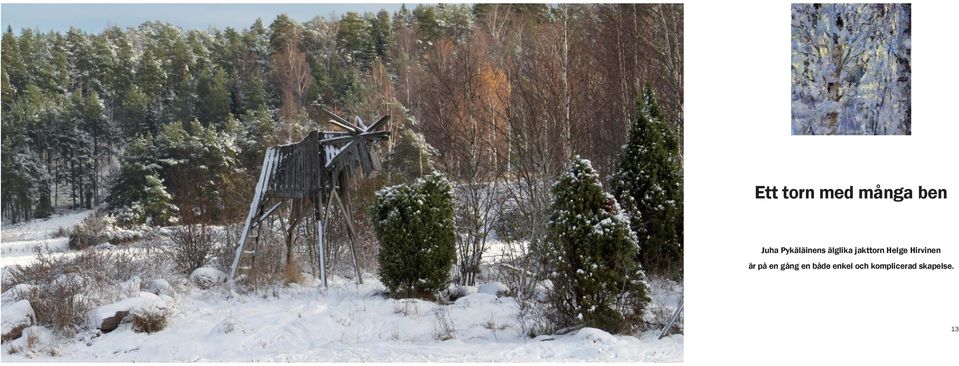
(254, 218)
(247, 262)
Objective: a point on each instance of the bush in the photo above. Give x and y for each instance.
(89, 232)
(590, 256)
(98, 229)
(191, 246)
(414, 225)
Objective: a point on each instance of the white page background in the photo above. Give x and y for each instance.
(737, 136)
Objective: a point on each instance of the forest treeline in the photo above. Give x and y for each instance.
(166, 124)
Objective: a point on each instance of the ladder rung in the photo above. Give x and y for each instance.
(249, 252)
(245, 268)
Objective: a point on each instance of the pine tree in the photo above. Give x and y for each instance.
(353, 39)
(181, 81)
(131, 113)
(97, 127)
(283, 33)
(26, 185)
(122, 75)
(103, 60)
(590, 255)
(260, 132)
(649, 184)
(257, 42)
(414, 225)
(77, 150)
(6, 89)
(426, 21)
(59, 65)
(254, 93)
(214, 97)
(28, 48)
(150, 75)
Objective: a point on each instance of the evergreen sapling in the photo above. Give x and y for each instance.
(590, 253)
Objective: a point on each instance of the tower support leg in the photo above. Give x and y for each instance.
(321, 252)
(348, 215)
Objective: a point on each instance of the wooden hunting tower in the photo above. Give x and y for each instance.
(310, 175)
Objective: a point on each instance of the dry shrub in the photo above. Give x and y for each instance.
(191, 246)
(292, 274)
(149, 319)
(66, 288)
(36, 340)
(407, 307)
(270, 265)
(443, 328)
(224, 253)
(367, 246)
(60, 304)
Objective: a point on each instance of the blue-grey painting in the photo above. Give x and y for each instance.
(851, 69)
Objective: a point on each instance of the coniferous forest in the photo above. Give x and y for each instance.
(533, 173)
(88, 118)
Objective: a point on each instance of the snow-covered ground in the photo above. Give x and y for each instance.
(354, 323)
(346, 322)
(19, 242)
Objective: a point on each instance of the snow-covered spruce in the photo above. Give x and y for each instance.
(648, 184)
(138, 195)
(590, 251)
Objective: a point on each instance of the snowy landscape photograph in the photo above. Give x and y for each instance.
(371, 182)
(851, 69)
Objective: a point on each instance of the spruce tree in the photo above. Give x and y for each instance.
(137, 194)
(382, 35)
(649, 184)
(590, 256)
(156, 203)
(414, 225)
